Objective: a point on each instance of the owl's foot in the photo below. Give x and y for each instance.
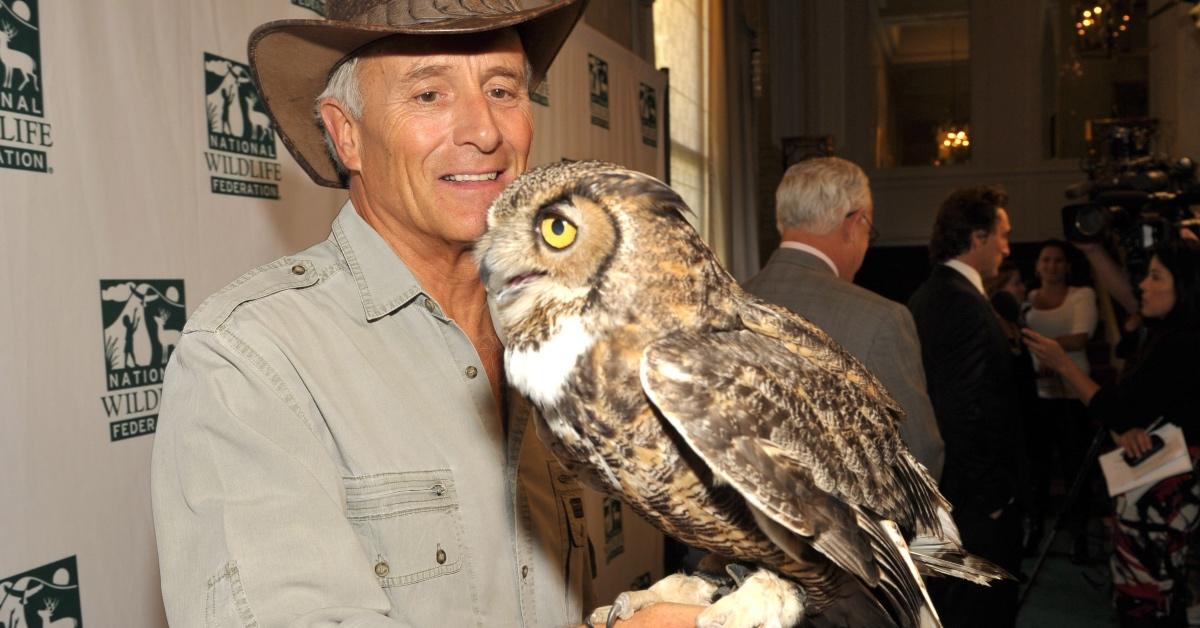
(676, 588)
(764, 599)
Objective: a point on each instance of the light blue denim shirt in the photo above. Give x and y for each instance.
(329, 453)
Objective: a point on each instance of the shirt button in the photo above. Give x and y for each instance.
(428, 303)
(471, 372)
(298, 269)
(440, 556)
(524, 571)
(382, 569)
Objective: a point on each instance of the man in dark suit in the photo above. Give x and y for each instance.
(971, 382)
(825, 215)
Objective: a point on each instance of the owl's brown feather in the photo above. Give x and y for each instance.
(732, 425)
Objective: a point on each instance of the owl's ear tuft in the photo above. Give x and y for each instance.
(659, 198)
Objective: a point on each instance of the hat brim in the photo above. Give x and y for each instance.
(292, 59)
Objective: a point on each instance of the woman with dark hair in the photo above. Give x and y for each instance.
(1153, 530)
(1067, 314)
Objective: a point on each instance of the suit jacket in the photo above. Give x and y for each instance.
(877, 331)
(969, 369)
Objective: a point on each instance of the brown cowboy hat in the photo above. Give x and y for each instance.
(292, 59)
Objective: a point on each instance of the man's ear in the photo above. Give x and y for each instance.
(343, 132)
(978, 238)
(847, 227)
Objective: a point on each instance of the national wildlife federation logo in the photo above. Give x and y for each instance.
(142, 322)
(23, 133)
(47, 596)
(598, 69)
(316, 6)
(648, 112)
(241, 140)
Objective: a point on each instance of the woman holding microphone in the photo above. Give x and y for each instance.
(1151, 539)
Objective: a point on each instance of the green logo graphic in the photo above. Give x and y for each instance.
(241, 138)
(316, 6)
(614, 530)
(598, 70)
(142, 322)
(45, 596)
(648, 112)
(21, 134)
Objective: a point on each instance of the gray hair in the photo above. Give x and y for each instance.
(342, 86)
(817, 194)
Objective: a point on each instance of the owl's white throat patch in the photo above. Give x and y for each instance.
(541, 372)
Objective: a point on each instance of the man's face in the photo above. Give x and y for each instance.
(993, 247)
(446, 125)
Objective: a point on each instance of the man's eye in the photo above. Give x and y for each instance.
(427, 97)
(500, 92)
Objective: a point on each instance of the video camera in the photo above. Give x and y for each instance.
(1142, 198)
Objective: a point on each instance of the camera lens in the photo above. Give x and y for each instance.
(1092, 220)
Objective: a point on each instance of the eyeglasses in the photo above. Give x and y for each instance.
(872, 232)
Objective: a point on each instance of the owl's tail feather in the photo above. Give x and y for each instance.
(899, 581)
(953, 561)
(944, 556)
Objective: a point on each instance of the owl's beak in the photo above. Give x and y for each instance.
(505, 290)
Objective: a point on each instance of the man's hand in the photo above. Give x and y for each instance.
(662, 614)
(1134, 442)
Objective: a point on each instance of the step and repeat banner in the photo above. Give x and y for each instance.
(138, 175)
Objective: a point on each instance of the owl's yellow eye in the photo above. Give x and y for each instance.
(557, 231)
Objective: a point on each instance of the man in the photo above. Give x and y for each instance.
(973, 389)
(334, 445)
(825, 217)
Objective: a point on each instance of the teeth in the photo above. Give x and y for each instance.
(491, 176)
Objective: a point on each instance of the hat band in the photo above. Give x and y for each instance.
(414, 12)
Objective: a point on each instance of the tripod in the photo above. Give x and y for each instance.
(1076, 486)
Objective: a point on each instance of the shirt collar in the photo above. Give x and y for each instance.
(811, 250)
(384, 283)
(969, 272)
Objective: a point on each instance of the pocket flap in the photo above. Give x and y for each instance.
(389, 494)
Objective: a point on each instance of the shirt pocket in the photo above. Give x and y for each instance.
(409, 523)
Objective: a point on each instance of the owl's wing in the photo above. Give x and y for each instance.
(811, 342)
(805, 447)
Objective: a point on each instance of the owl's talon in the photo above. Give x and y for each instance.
(676, 588)
(763, 599)
(622, 607)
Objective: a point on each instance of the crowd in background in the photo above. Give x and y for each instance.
(1024, 378)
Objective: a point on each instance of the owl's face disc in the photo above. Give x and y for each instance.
(573, 236)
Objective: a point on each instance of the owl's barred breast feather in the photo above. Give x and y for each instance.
(733, 425)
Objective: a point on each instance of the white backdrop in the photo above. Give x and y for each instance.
(135, 180)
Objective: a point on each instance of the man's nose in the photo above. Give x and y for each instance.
(475, 124)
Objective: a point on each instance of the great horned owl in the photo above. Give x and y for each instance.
(731, 424)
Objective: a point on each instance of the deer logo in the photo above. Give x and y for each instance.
(14, 60)
(259, 121)
(167, 338)
(46, 613)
